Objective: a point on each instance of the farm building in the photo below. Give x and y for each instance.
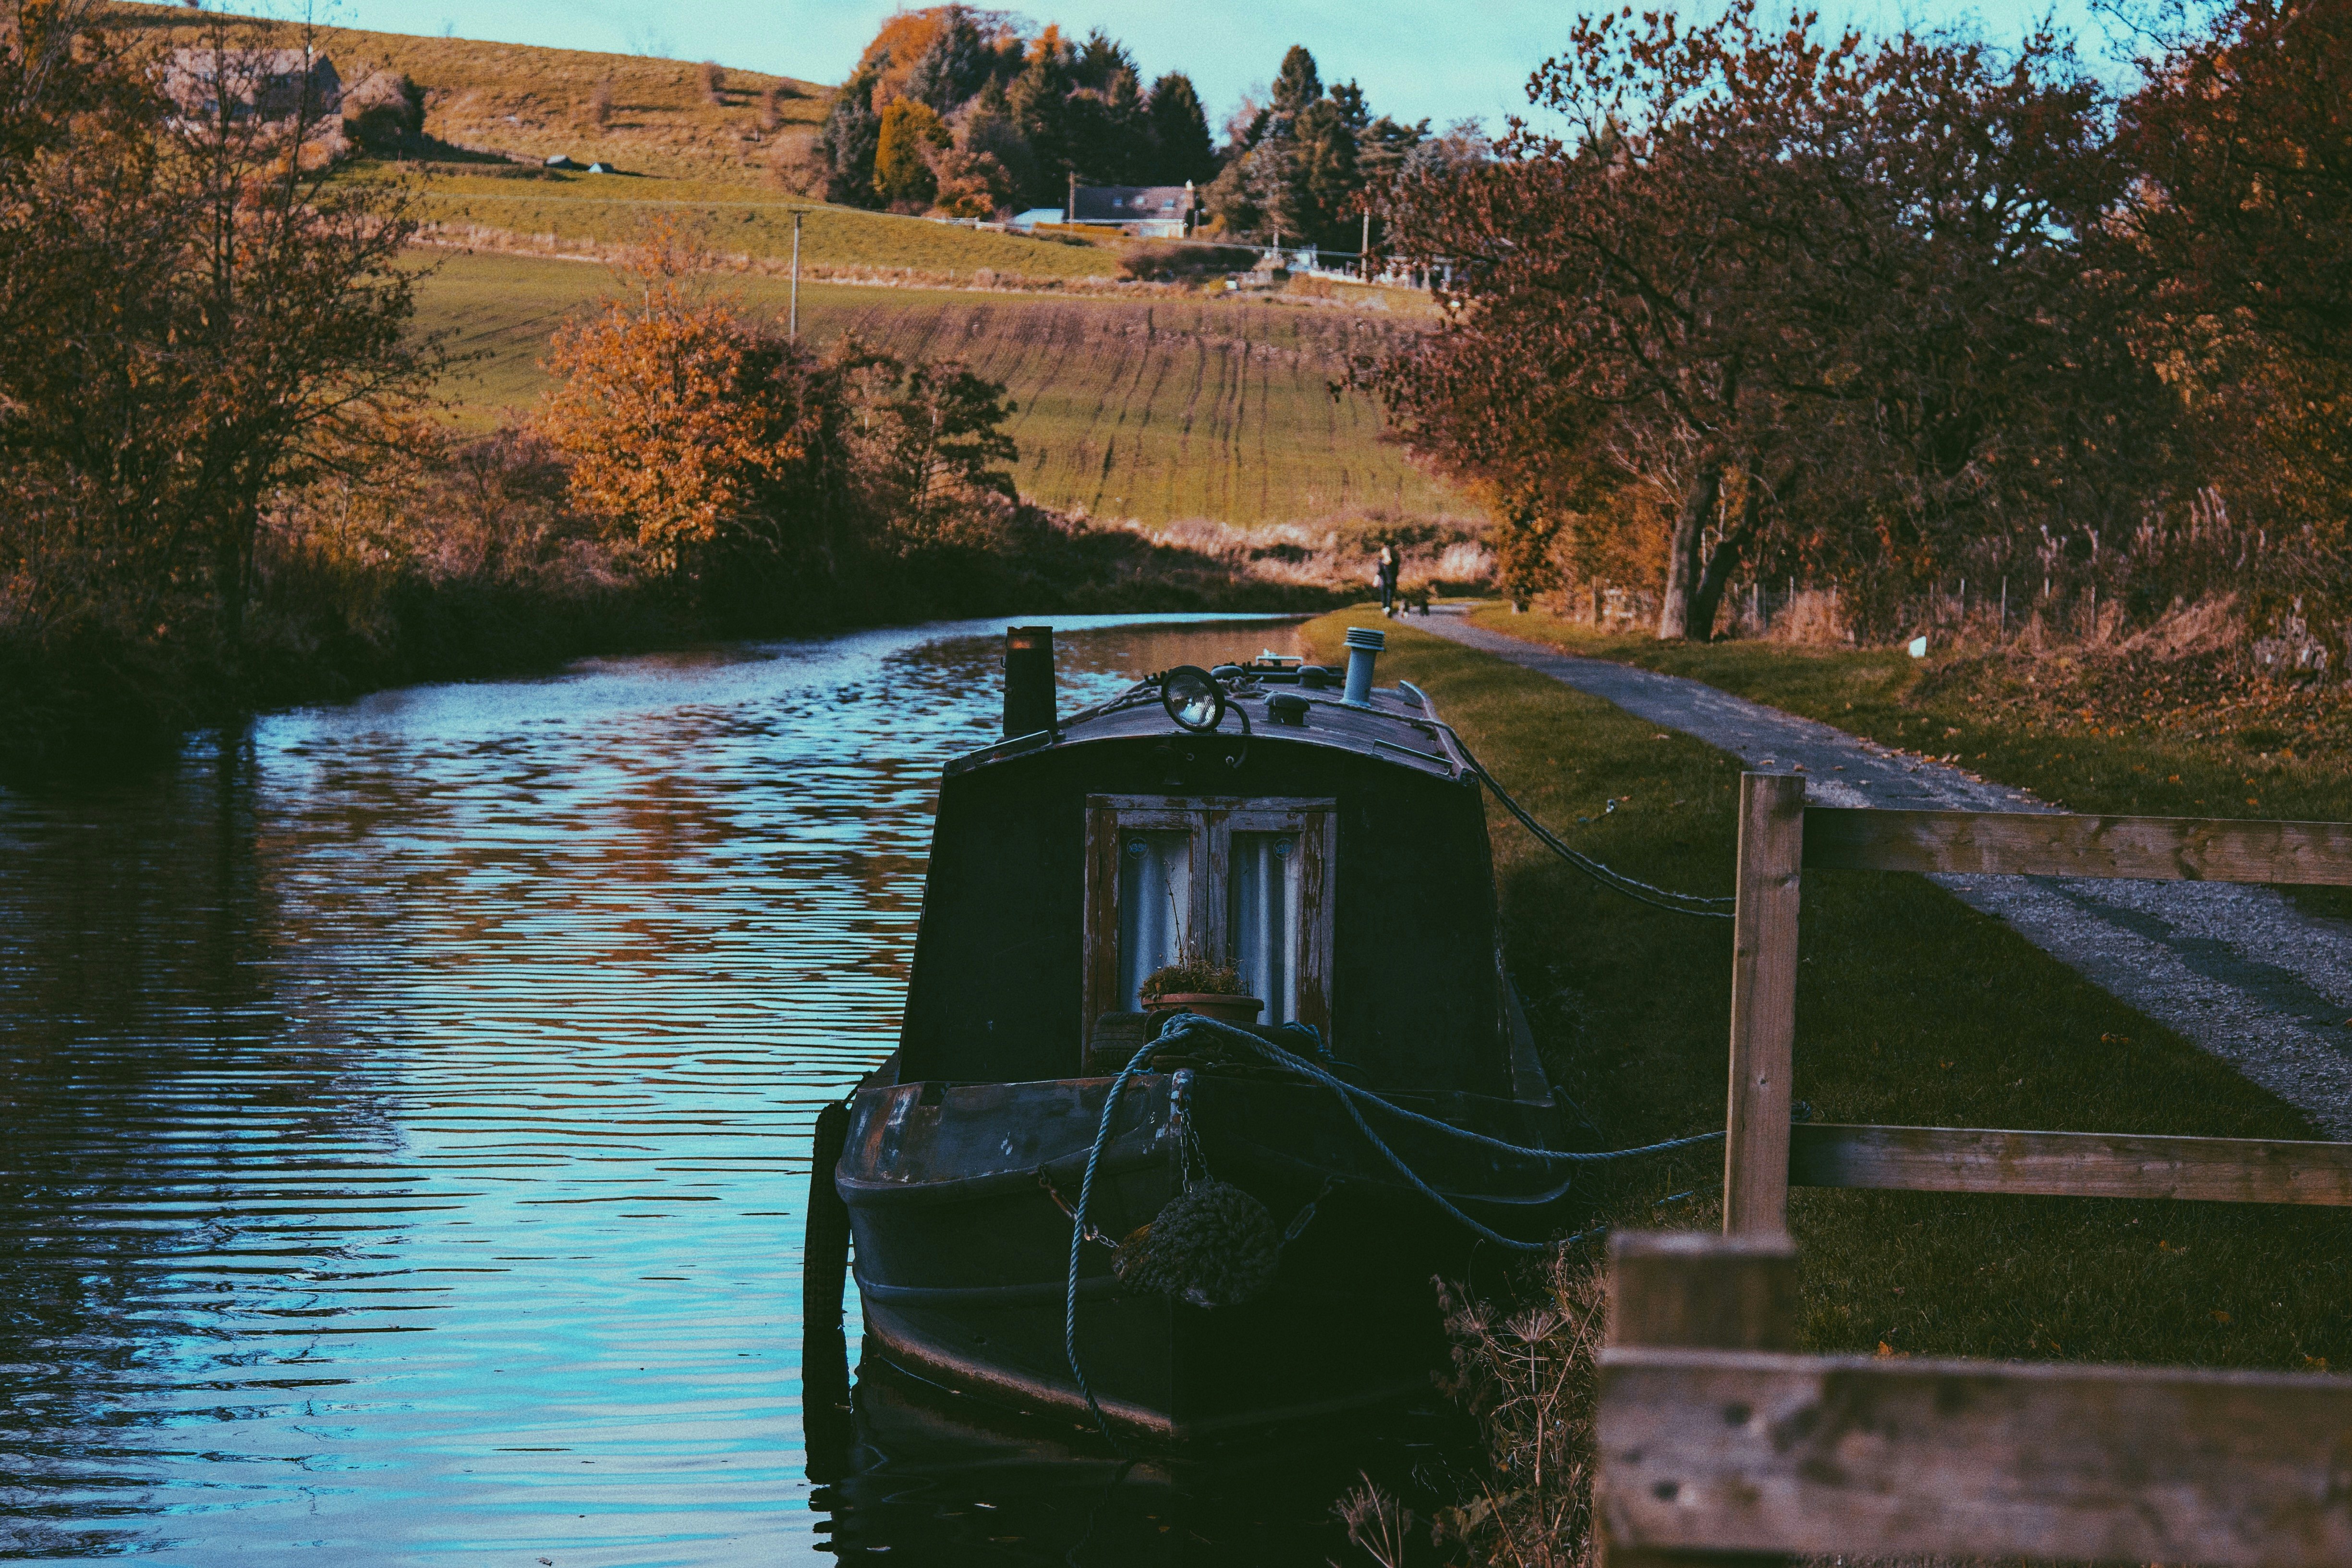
(259, 84)
(1151, 212)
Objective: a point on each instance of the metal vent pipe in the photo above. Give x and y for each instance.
(1028, 680)
(1364, 646)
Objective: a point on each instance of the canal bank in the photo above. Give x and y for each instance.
(1911, 1009)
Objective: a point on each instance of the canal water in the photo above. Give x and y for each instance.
(404, 1133)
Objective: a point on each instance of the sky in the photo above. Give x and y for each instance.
(1446, 61)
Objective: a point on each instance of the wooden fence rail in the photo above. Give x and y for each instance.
(1717, 1447)
(1736, 1450)
(1781, 836)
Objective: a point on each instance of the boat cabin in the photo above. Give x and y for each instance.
(1324, 835)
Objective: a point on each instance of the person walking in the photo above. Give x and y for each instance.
(1390, 565)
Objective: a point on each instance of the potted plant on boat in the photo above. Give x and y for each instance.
(1198, 984)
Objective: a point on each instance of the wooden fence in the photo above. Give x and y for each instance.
(1719, 1447)
(1781, 836)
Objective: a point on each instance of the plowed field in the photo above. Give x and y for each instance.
(1159, 410)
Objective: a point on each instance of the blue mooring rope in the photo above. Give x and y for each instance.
(1348, 1093)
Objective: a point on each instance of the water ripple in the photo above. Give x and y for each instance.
(406, 1104)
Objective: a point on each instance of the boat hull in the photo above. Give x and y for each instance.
(963, 1247)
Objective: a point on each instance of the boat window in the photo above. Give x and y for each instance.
(1264, 881)
(1243, 880)
(1155, 902)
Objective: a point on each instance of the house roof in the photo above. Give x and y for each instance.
(1133, 203)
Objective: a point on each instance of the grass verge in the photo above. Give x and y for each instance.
(1911, 1008)
(1954, 708)
(2047, 725)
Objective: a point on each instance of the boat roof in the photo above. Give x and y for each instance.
(1399, 726)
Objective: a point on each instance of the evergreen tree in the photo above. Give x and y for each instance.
(1180, 133)
(909, 133)
(1298, 84)
(1099, 61)
(1322, 192)
(958, 62)
(847, 143)
(1349, 99)
(988, 132)
(1039, 100)
(1125, 155)
(1383, 146)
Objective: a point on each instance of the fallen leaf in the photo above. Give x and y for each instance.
(2218, 1315)
(2315, 1362)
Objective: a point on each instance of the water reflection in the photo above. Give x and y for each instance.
(404, 1124)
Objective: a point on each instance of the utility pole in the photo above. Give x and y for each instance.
(1364, 248)
(795, 331)
(1070, 213)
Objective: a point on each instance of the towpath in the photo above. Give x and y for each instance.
(2239, 970)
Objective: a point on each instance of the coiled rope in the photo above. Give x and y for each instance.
(1350, 1096)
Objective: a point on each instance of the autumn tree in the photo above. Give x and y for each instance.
(2239, 235)
(1787, 284)
(197, 316)
(716, 453)
(680, 420)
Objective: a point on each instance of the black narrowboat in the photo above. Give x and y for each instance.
(1326, 838)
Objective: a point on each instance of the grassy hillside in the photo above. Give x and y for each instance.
(748, 220)
(1153, 409)
(677, 149)
(530, 103)
(1156, 409)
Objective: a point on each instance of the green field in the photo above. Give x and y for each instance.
(1154, 409)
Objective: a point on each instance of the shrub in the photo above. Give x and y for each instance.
(1154, 262)
(383, 110)
(713, 76)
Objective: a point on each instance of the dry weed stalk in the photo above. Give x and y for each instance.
(1377, 1523)
(1527, 1376)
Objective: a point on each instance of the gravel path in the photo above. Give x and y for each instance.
(2239, 970)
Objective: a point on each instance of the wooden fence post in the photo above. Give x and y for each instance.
(1688, 1290)
(1763, 1003)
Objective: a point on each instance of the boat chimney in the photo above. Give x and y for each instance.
(1364, 646)
(1028, 681)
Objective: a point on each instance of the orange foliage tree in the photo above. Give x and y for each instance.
(696, 435)
(685, 425)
